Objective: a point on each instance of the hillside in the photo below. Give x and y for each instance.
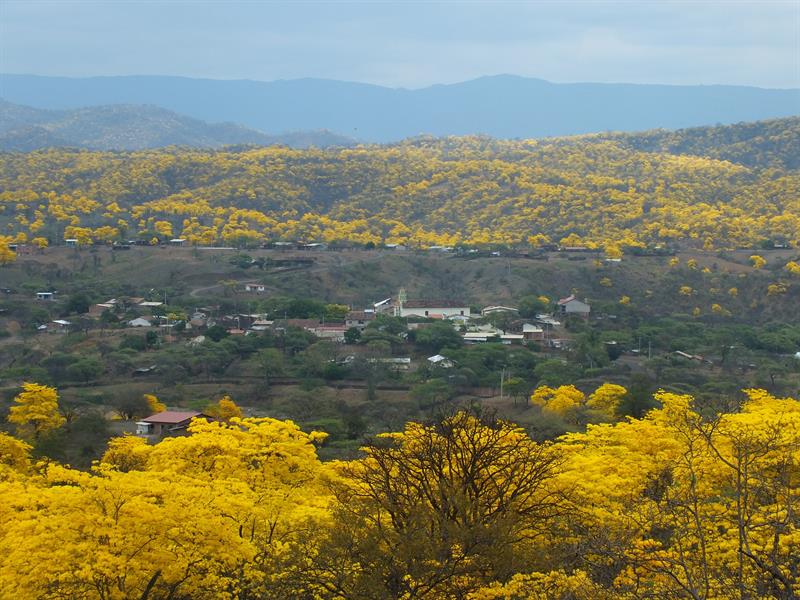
(500, 106)
(133, 127)
(420, 192)
(774, 143)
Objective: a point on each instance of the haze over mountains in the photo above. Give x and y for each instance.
(502, 106)
(134, 127)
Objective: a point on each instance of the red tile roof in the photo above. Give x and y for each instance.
(172, 417)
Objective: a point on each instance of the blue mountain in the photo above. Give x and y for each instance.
(502, 106)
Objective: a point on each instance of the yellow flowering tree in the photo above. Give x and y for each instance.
(35, 412)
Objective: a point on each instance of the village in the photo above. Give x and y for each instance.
(494, 323)
(344, 339)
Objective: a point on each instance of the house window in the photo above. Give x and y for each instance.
(462, 313)
(426, 313)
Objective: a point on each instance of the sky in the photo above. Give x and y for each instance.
(408, 44)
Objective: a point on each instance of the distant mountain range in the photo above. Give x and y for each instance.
(502, 106)
(134, 127)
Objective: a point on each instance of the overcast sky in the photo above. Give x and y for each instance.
(408, 44)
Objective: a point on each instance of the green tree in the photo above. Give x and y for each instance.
(438, 335)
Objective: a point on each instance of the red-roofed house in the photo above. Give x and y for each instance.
(164, 423)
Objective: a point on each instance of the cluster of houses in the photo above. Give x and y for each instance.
(474, 328)
(96, 310)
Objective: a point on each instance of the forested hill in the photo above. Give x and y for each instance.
(773, 143)
(590, 190)
(134, 127)
(503, 106)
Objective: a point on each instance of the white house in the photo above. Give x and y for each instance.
(572, 306)
(435, 309)
(45, 296)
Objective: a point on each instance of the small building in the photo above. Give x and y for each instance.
(359, 319)
(384, 306)
(255, 288)
(335, 333)
(58, 326)
(139, 322)
(532, 332)
(144, 370)
(196, 341)
(146, 304)
(71, 242)
(511, 338)
(481, 337)
(95, 310)
(177, 242)
(547, 320)
(169, 422)
(393, 364)
(572, 306)
(307, 324)
(261, 325)
(45, 296)
(198, 319)
(435, 309)
(490, 310)
(437, 360)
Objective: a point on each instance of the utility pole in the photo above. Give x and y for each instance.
(502, 378)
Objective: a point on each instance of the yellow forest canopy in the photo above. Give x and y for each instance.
(602, 192)
(672, 505)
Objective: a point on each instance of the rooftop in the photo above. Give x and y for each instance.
(434, 304)
(172, 417)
